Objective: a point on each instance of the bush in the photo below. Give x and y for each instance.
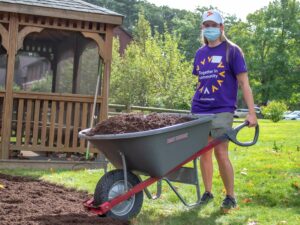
(274, 111)
(42, 85)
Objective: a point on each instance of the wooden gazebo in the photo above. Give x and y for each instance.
(51, 54)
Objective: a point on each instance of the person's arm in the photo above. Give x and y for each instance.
(248, 98)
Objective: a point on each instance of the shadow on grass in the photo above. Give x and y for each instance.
(206, 215)
(77, 219)
(269, 199)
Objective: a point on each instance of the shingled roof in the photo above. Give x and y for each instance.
(71, 9)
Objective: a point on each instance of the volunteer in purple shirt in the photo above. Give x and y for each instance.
(221, 68)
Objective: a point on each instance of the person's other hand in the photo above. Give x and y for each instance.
(252, 119)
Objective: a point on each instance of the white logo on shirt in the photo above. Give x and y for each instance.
(216, 59)
(206, 91)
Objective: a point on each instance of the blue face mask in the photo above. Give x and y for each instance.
(212, 33)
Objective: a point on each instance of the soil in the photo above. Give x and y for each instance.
(136, 122)
(28, 201)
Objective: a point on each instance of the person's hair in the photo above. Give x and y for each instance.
(229, 44)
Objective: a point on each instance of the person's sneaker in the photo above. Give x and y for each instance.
(206, 198)
(228, 204)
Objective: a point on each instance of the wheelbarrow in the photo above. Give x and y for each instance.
(160, 154)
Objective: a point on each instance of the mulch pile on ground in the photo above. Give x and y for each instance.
(127, 123)
(27, 201)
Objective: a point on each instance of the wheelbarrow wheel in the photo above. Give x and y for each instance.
(111, 185)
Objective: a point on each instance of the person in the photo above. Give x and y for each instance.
(220, 66)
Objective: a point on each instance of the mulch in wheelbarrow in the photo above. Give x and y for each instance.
(135, 122)
(29, 201)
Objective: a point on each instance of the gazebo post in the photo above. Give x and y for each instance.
(8, 104)
(106, 74)
(4, 41)
(54, 65)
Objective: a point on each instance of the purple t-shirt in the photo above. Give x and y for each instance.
(217, 83)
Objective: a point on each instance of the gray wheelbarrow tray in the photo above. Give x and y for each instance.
(154, 152)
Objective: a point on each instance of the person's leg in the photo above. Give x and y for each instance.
(221, 124)
(206, 165)
(225, 167)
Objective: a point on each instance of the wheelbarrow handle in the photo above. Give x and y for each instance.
(232, 135)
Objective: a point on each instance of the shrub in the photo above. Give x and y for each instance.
(42, 85)
(274, 110)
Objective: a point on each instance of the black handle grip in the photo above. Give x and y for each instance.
(232, 135)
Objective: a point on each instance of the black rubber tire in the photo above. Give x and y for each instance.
(105, 185)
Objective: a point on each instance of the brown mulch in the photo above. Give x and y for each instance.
(136, 122)
(27, 201)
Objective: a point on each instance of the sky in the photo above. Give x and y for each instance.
(240, 8)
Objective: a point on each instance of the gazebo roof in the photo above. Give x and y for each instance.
(69, 9)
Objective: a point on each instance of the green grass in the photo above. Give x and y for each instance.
(267, 183)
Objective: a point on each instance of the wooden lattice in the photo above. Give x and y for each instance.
(39, 48)
(4, 17)
(58, 23)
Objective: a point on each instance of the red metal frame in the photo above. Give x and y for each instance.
(106, 206)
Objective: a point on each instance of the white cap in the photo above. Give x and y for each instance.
(212, 15)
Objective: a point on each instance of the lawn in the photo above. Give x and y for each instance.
(267, 182)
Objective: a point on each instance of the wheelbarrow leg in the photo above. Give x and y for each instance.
(185, 175)
(147, 192)
(125, 171)
(158, 191)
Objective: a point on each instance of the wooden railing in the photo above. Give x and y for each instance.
(51, 122)
(115, 109)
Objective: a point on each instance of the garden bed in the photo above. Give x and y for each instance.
(30, 201)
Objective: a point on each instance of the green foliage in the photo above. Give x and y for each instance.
(294, 100)
(65, 76)
(142, 30)
(16, 87)
(88, 71)
(188, 30)
(152, 71)
(274, 110)
(277, 148)
(269, 40)
(42, 85)
(129, 83)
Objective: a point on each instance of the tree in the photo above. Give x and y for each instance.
(128, 8)
(152, 71)
(188, 28)
(272, 52)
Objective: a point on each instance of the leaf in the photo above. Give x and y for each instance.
(244, 171)
(296, 185)
(247, 200)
